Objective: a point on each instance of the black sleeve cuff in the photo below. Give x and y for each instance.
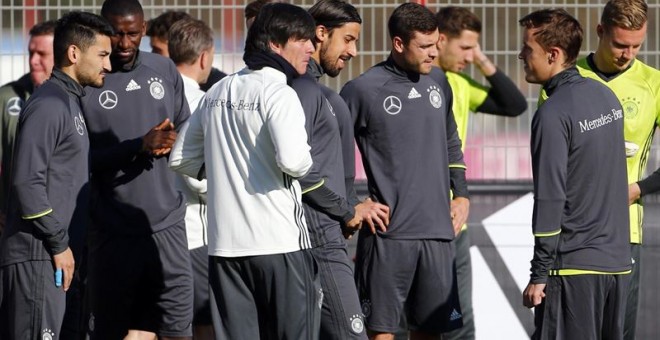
(327, 201)
(458, 182)
(544, 256)
(56, 238)
(650, 184)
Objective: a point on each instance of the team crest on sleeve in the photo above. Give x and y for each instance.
(108, 99)
(392, 105)
(14, 105)
(434, 96)
(156, 88)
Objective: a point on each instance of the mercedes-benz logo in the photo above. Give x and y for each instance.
(392, 105)
(14, 105)
(108, 99)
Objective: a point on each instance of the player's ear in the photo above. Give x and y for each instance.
(73, 54)
(600, 30)
(275, 47)
(397, 44)
(321, 33)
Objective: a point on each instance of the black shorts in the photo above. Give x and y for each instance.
(266, 296)
(582, 307)
(142, 283)
(417, 277)
(31, 306)
(199, 257)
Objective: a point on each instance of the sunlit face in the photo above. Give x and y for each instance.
(40, 48)
(338, 48)
(297, 52)
(420, 52)
(129, 30)
(618, 46)
(535, 59)
(159, 46)
(455, 53)
(94, 63)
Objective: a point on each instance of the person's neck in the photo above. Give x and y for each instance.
(399, 61)
(191, 72)
(68, 70)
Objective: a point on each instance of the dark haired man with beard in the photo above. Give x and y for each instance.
(332, 209)
(49, 201)
(407, 135)
(140, 278)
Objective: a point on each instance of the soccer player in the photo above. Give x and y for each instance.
(14, 95)
(407, 136)
(158, 32)
(140, 278)
(458, 46)
(579, 273)
(249, 131)
(325, 188)
(621, 33)
(48, 206)
(191, 45)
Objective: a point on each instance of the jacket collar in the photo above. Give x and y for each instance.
(67, 83)
(566, 76)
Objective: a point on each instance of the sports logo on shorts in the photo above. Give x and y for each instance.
(156, 88)
(630, 107)
(455, 315)
(108, 99)
(319, 297)
(47, 334)
(90, 323)
(357, 325)
(79, 121)
(392, 105)
(434, 96)
(366, 307)
(14, 105)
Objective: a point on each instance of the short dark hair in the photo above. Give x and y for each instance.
(121, 8)
(453, 20)
(334, 13)
(277, 23)
(252, 9)
(159, 26)
(409, 18)
(188, 39)
(557, 28)
(80, 29)
(43, 28)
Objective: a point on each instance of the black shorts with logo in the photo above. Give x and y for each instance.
(31, 305)
(415, 277)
